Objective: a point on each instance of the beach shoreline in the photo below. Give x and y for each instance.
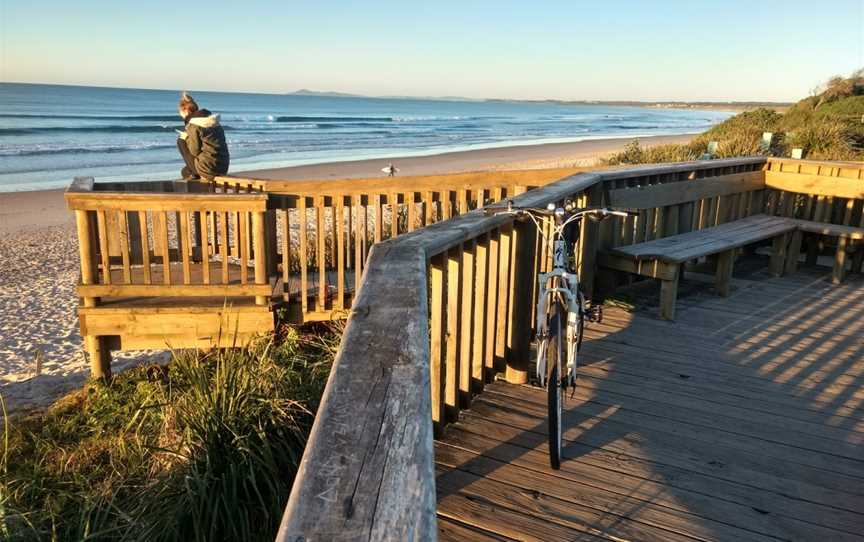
(25, 210)
(41, 354)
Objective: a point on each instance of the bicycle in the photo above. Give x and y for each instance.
(559, 294)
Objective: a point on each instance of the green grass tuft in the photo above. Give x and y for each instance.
(205, 448)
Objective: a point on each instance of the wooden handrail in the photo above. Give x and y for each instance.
(368, 468)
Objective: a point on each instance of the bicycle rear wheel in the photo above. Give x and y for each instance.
(554, 392)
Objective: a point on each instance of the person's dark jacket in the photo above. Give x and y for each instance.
(205, 139)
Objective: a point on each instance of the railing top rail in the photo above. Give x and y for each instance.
(830, 163)
(412, 183)
(82, 196)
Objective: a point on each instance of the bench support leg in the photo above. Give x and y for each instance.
(794, 252)
(668, 298)
(857, 260)
(778, 255)
(725, 263)
(839, 261)
(812, 250)
(100, 357)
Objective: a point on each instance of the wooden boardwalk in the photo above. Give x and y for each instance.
(742, 420)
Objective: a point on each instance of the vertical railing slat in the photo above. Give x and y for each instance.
(203, 233)
(466, 340)
(437, 289)
(123, 226)
(243, 232)
(162, 224)
(479, 336)
(454, 313)
(304, 256)
(184, 246)
(321, 254)
(145, 246)
(339, 219)
(103, 246)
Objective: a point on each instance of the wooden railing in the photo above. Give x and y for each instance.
(438, 313)
(138, 245)
(129, 240)
(325, 229)
(813, 190)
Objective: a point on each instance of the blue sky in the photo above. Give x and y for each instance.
(696, 50)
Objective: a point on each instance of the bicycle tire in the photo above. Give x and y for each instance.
(554, 391)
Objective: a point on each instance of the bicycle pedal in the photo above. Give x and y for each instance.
(594, 313)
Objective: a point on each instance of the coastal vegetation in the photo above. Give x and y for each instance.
(829, 125)
(204, 448)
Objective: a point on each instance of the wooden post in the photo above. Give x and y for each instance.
(100, 357)
(260, 251)
(668, 297)
(521, 279)
(725, 263)
(794, 252)
(778, 255)
(839, 271)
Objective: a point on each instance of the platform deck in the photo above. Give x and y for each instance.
(742, 420)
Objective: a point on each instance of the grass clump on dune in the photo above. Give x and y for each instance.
(827, 126)
(205, 448)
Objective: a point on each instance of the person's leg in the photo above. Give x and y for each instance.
(189, 171)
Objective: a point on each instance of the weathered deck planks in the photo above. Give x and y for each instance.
(740, 421)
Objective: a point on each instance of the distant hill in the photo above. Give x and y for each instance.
(727, 106)
(826, 126)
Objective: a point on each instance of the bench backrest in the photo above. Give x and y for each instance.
(671, 206)
(831, 192)
(691, 190)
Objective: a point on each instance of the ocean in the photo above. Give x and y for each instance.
(50, 133)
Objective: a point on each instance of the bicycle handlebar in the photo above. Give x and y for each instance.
(603, 212)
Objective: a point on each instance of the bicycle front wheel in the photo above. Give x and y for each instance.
(555, 396)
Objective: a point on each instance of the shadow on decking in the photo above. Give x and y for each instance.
(742, 420)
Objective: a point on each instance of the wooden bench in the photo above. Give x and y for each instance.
(662, 258)
(848, 240)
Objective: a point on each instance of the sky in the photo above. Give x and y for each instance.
(767, 50)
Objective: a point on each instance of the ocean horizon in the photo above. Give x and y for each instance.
(52, 133)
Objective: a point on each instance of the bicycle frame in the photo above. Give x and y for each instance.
(558, 285)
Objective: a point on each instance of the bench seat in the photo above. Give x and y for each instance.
(662, 258)
(688, 246)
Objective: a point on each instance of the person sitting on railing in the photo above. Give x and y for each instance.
(202, 145)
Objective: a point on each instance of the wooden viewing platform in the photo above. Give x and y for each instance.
(740, 421)
(733, 414)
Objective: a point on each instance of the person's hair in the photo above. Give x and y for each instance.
(187, 104)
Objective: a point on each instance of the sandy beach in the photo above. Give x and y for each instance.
(41, 352)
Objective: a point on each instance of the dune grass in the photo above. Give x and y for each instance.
(827, 126)
(205, 448)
